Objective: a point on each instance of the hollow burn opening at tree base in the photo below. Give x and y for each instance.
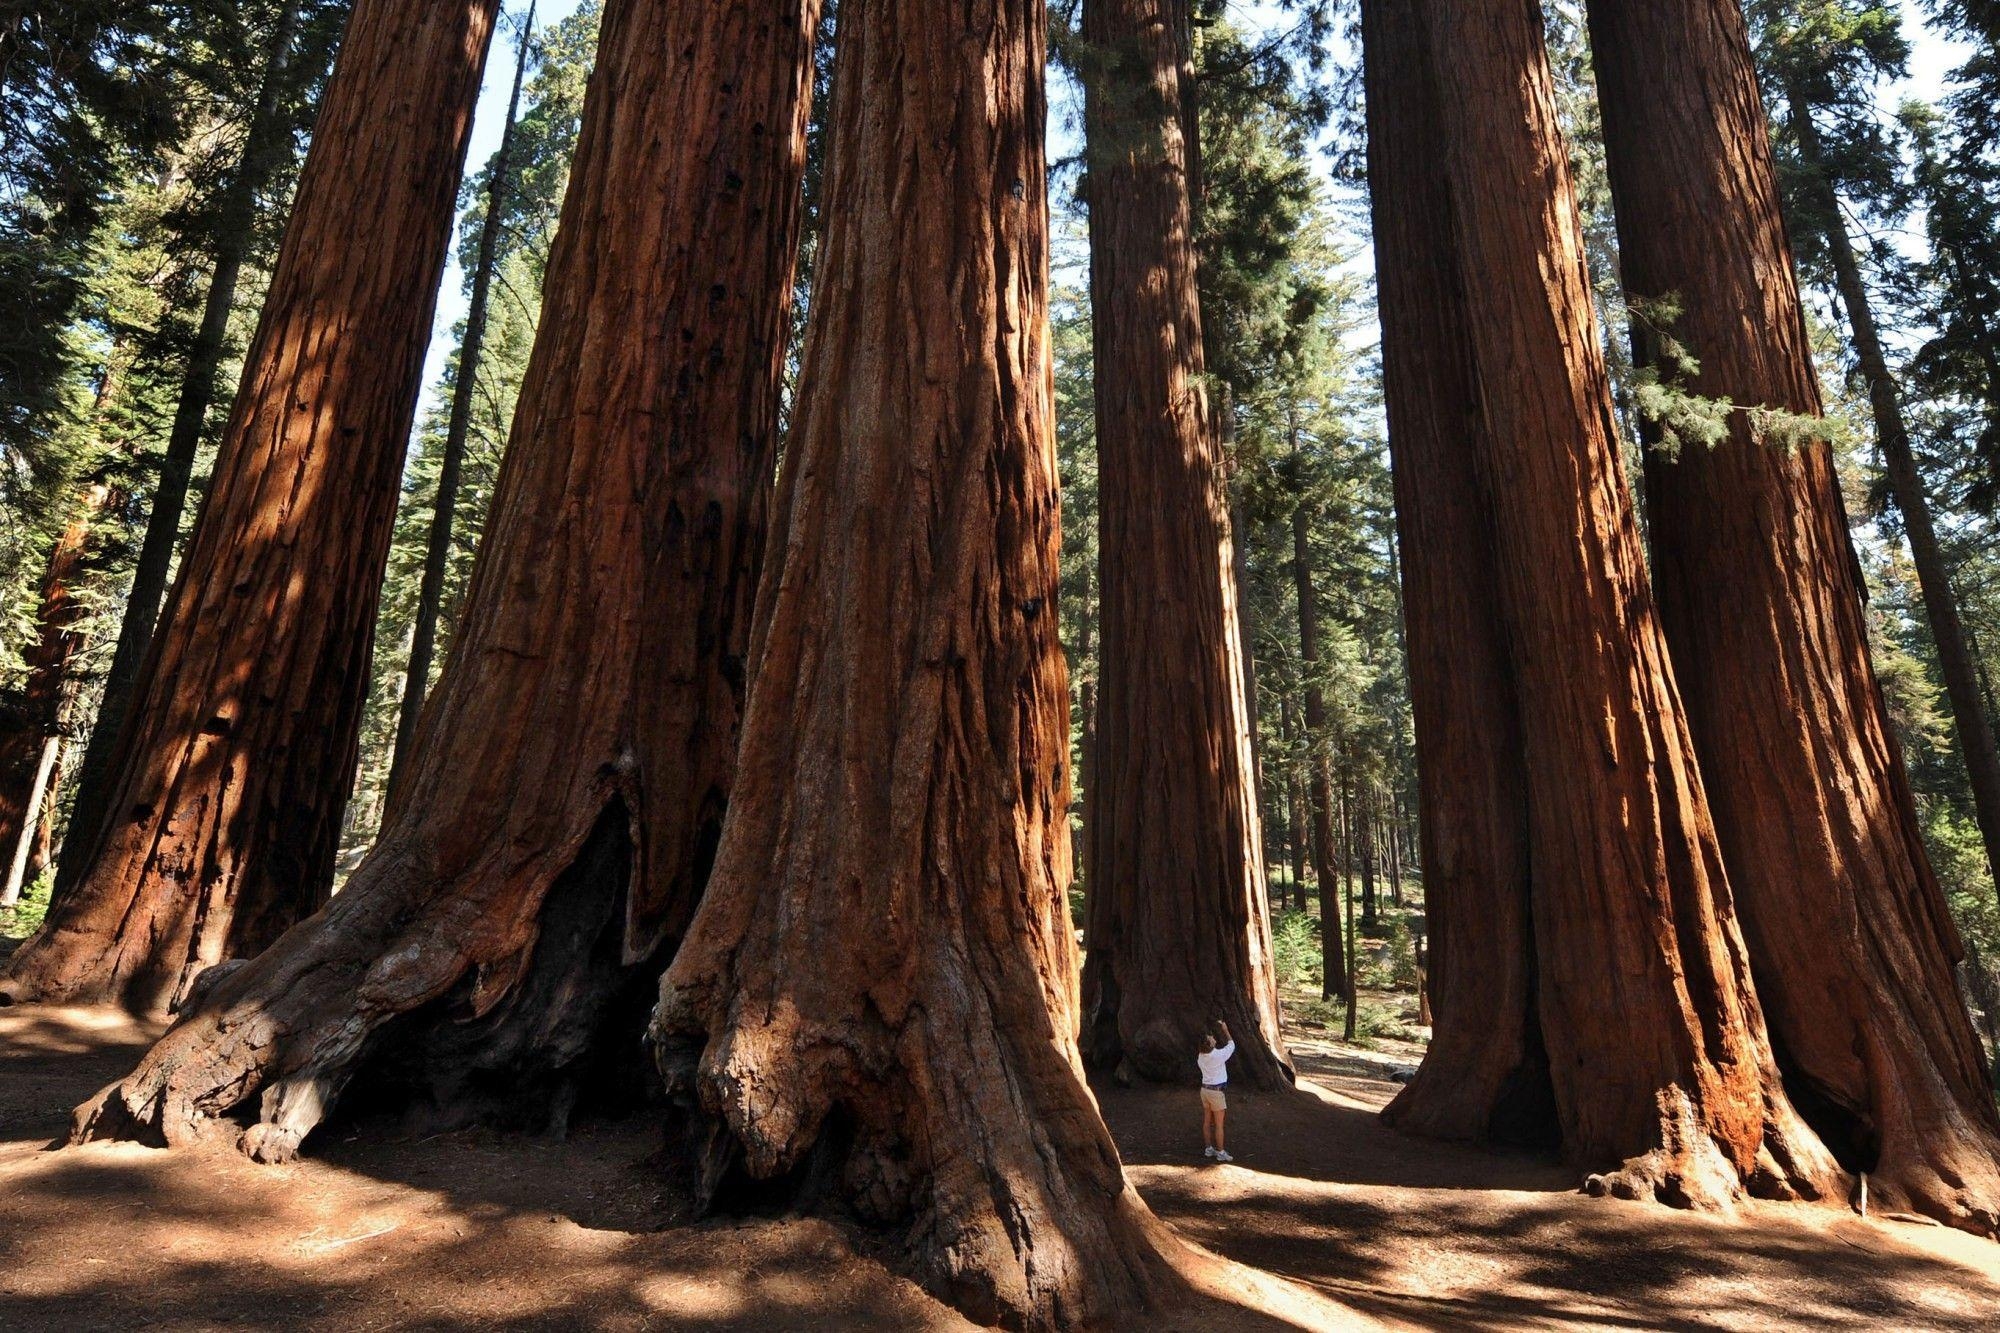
(565, 1040)
(1854, 1142)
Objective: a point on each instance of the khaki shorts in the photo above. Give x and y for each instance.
(1213, 1099)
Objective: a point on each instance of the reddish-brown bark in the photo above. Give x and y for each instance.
(1177, 932)
(32, 741)
(234, 764)
(1658, 1058)
(572, 767)
(878, 991)
(1851, 941)
(267, 145)
(458, 422)
(1485, 1075)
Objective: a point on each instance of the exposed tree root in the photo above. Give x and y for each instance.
(430, 994)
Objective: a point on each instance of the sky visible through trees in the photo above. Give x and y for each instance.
(1496, 551)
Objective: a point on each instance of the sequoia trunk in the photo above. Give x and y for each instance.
(1851, 941)
(265, 148)
(458, 423)
(1178, 931)
(570, 774)
(223, 805)
(881, 979)
(1666, 1075)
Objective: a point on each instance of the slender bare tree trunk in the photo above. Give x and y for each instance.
(33, 741)
(1319, 768)
(1852, 943)
(458, 423)
(1366, 847)
(881, 977)
(1906, 487)
(1178, 926)
(1295, 815)
(500, 945)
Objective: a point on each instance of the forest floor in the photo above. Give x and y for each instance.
(480, 1229)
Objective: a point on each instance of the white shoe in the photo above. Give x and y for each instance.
(1222, 1156)
(1208, 1152)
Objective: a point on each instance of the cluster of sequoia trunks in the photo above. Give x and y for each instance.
(777, 781)
(1683, 853)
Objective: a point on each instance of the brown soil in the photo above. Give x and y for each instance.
(478, 1229)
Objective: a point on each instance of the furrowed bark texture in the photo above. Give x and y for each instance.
(570, 774)
(33, 736)
(232, 769)
(878, 991)
(1657, 1049)
(1484, 1075)
(1851, 941)
(266, 147)
(1178, 930)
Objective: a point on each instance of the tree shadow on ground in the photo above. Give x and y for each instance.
(1454, 1236)
(378, 1228)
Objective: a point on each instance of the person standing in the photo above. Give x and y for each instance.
(1213, 1061)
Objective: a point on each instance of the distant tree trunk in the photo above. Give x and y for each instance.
(444, 506)
(266, 147)
(33, 740)
(1350, 1024)
(880, 980)
(1320, 776)
(1852, 943)
(1906, 486)
(1365, 841)
(1246, 634)
(1662, 1070)
(1485, 1075)
(1295, 814)
(501, 942)
(1395, 861)
(1178, 929)
(1086, 771)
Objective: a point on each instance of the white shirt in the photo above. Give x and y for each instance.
(1214, 1065)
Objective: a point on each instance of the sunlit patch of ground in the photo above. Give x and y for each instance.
(375, 1229)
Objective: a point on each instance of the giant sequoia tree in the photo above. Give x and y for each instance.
(267, 149)
(569, 778)
(1659, 1062)
(879, 987)
(229, 778)
(1485, 1075)
(1851, 942)
(1178, 931)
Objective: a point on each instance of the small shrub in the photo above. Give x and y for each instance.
(24, 918)
(1295, 953)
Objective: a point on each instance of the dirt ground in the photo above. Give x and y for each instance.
(481, 1230)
